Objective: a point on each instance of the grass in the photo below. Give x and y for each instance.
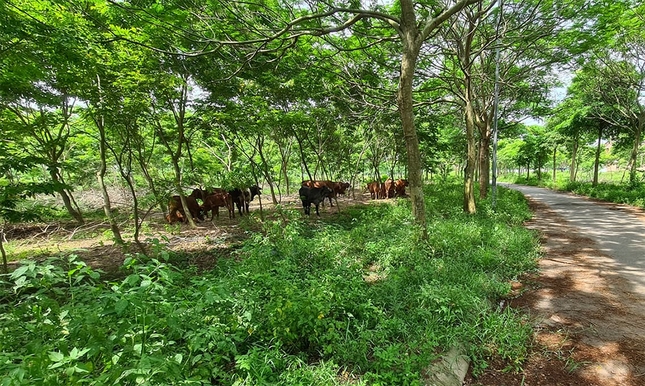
(631, 194)
(356, 298)
(608, 189)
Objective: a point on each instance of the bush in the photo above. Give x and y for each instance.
(355, 299)
(631, 194)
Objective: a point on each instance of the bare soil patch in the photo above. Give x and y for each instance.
(200, 247)
(589, 328)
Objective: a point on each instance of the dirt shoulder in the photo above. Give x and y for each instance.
(589, 326)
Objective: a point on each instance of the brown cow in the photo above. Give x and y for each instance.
(388, 188)
(399, 187)
(374, 187)
(341, 187)
(177, 212)
(201, 194)
(174, 217)
(320, 184)
(237, 195)
(214, 201)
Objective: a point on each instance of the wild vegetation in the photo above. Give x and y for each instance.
(155, 98)
(353, 299)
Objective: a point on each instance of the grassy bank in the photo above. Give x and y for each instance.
(631, 194)
(355, 299)
(620, 193)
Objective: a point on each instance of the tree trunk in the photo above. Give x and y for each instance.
(66, 200)
(484, 160)
(574, 155)
(302, 156)
(100, 176)
(285, 154)
(135, 210)
(405, 102)
(555, 152)
(469, 173)
(597, 161)
(637, 142)
(107, 208)
(265, 169)
(151, 184)
(180, 192)
(5, 265)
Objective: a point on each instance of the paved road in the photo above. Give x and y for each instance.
(618, 234)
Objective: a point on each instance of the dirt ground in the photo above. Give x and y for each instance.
(203, 245)
(589, 330)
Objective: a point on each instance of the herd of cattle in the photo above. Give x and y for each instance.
(212, 199)
(387, 189)
(311, 192)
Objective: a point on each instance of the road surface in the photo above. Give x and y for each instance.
(618, 234)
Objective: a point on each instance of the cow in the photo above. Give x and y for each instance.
(255, 191)
(340, 187)
(248, 196)
(201, 194)
(237, 195)
(240, 197)
(174, 217)
(214, 201)
(320, 184)
(374, 187)
(399, 187)
(388, 188)
(177, 212)
(313, 196)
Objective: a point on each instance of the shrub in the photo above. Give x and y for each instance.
(358, 298)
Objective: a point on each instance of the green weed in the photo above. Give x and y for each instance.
(295, 307)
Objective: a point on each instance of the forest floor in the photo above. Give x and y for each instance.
(589, 329)
(588, 325)
(201, 246)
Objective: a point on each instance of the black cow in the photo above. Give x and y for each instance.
(237, 195)
(313, 196)
(255, 191)
(249, 194)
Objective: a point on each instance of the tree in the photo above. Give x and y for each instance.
(523, 32)
(169, 114)
(414, 23)
(14, 191)
(38, 81)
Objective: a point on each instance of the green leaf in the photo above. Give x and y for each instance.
(56, 356)
(19, 271)
(76, 353)
(120, 306)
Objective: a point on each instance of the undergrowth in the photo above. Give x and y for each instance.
(631, 194)
(356, 299)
